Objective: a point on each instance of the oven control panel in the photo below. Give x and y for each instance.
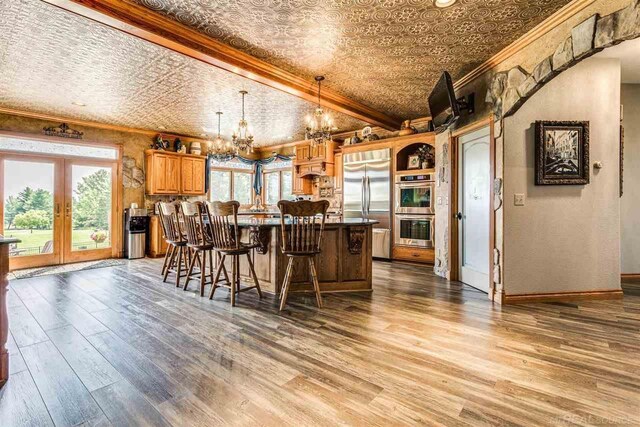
(415, 178)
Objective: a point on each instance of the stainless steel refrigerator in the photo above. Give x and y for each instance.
(367, 194)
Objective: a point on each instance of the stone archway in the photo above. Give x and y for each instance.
(508, 90)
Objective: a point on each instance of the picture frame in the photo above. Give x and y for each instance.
(413, 162)
(562, 153)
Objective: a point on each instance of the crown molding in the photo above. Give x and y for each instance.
(96, 125)
(143, 23)
(534, 34)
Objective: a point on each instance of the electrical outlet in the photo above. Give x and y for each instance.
(518, 199)
(439, 200)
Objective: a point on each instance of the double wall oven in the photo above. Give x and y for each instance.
(414, 210)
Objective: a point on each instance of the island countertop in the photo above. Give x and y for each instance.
(344, 264)
(275, 222)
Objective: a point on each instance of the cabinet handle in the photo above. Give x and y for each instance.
(68, 209)
(57, 210)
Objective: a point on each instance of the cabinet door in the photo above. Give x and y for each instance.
(338, 173)
(300, 185)
(199, 166)
(172, 175)
(187, 175)
(159, 176)
(303, 153)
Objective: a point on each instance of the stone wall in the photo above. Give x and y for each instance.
(508, 90)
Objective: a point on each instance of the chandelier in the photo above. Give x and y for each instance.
(242, 138)
(319, 124)
(220, 149)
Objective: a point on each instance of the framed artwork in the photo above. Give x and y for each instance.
(562, 153)
(413, 162)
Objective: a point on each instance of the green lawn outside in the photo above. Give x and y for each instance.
(37, 239)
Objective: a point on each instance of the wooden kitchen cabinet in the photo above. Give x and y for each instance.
(316, 153)
(337, 168)
(301, 186)
(174, 173)
(157, 244)
(193, 175)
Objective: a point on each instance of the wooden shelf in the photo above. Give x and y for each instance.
(415, 172)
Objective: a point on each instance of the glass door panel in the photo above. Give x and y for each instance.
(89, 211)
(31, 210)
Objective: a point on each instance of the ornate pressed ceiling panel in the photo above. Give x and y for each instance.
(50, 59)
(384, 53)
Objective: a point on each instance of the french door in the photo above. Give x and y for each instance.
(62, 210)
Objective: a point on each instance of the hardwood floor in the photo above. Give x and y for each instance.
(116, 346)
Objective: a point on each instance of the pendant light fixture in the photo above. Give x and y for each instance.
(242, 138)
(319, 124)
(220, 149)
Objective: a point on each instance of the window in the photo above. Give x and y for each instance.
(228, 183)
(278, 186)
(220, 188)
(21, 145)
(242, 190)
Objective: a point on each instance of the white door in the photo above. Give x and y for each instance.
(474, 208)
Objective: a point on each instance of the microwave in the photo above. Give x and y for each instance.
(414, 194)
(415, 230)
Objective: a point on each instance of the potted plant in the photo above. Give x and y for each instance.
(427, 156)
(98, 236)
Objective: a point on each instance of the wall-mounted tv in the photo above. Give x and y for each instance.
(444, 108)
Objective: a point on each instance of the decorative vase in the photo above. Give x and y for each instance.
(355, 139)
(177, 145)
(195, 148)
(406, 128)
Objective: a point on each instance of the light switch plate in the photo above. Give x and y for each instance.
(439, 200)
(518, 199)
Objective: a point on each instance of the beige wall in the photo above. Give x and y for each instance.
(443, 206)
(566, 238)
(630, 202)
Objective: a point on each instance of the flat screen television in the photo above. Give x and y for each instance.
(442, 104)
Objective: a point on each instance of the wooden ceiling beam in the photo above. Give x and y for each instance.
(151, 26)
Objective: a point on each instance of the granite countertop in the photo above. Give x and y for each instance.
(275, 222)
(8, 240)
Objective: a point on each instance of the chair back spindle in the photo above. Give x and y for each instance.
(225, 233)
(303, 233)
(197, 233)
(169, 221)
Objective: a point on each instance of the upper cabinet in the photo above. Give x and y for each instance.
(174, 173)
(193, 175)
(314, 159)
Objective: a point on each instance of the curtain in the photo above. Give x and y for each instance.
(258, 166)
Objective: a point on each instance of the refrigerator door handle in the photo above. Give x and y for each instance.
(368, 195)
(362, 196)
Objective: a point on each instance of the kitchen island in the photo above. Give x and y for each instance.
(343, 266)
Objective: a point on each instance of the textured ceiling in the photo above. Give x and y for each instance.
(50, 58)
(387, 54)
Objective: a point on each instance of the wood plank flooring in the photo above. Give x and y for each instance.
(116, 346)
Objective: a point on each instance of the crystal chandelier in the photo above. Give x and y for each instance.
(220, 149)
(319, 124)
(242, 138)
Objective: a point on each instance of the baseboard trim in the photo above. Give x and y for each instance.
(634, 276)
(562, 296)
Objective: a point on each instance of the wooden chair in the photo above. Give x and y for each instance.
(177, 255)
(199, 241)
(301, 238)
(226, 241)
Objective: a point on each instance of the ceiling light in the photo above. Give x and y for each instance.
(79, 103)
(220, 149)
(319, 124)
(242, 138)
(444, 3)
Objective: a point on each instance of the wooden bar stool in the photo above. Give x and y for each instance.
(226, 241)
(177, 255)
(199, 241)
(301, 238)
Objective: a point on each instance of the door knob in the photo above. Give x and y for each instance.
(459, 215)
